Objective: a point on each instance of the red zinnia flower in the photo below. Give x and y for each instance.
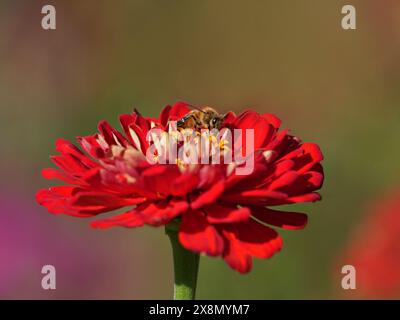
(222, 213)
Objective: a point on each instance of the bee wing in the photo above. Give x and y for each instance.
(182, 120)
(197, 108)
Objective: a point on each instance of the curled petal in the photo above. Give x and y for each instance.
(306, 157)
(272, 119)
(263, 130)
(136, 128)
(249, 239)
(92, 146)
(283, 219)
(110, 135)
(178, 110)
(287, 179)
(196, 234)
(298, 184)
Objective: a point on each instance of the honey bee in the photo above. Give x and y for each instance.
(201, 118)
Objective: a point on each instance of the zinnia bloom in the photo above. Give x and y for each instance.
(221, 213)
(374, 249)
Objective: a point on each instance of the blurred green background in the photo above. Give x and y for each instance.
(337, 88)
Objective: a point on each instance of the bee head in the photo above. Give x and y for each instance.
(216, 122)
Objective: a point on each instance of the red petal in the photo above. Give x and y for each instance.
(70, 164)
(272, 119)
(217, 213)
(158, 179)
(178, 110)
(309, 197)
(311, 154)
(235, 255)
(303, 184)
(283, 166)
(229, 118)
(164, 116)
(95, 198)
(50, 173)
(263, 131)
(256, 196)
(56, 200)
(197, 235)
(209, 196)
(314, 150)
(247, 239)
(69, 150)
(111, 135)
(45, 196)
(137, 136)
(130, 219)
(92, 146)
(142, 122)
(283, 219)
(162, 212)
(247, 119)
(139, 124)
(184, 184)
(286, 179)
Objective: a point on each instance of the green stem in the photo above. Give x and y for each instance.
(186, 265)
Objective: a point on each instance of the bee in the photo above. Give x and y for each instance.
(201, 118)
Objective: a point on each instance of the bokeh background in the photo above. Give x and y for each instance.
(337, 88)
